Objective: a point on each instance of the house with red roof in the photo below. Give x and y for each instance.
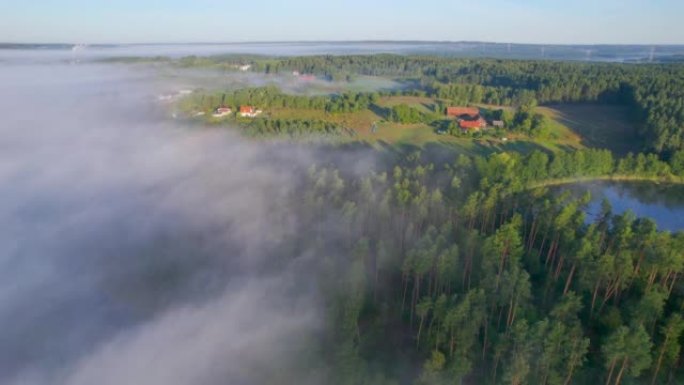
(472, 125)
(249, 112)
(458, 112)
(469, 119)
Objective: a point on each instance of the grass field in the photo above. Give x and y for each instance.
(595, 126)
(422, 104)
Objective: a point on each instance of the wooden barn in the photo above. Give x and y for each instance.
(458, 112)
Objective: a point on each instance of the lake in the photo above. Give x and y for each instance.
(661, 202)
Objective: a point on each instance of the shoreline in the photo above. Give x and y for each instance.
(671, 179)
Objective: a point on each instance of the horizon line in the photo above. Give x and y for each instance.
(362, 41)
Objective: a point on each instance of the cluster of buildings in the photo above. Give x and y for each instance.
(470, 120)
(244, 112)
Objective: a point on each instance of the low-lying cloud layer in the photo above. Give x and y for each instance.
(134, 251)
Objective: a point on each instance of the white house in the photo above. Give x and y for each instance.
(222, 111)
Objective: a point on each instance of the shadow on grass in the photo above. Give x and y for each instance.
(381, 112)
(600, 126)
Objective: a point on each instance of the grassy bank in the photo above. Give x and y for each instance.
(669, 179)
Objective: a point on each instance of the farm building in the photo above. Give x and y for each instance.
(249, 112)
(469, 119)
(458, 112)
(222, 111)
(472, 125)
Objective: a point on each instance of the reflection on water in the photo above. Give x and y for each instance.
(662, 203)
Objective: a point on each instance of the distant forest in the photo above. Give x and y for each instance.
(653, 92)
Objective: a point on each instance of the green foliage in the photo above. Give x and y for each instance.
(291, 128)
(463, 273)
(669, 350)
(677, 163)
(405, 114)
(272, 97)
(626, 353)
(527, 122)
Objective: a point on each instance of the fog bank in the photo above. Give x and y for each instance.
(135, 250)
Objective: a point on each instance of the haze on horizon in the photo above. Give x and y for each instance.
(180, 21)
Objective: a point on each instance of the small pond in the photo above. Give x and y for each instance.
(663, 203)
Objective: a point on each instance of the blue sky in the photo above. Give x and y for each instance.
(520, 21)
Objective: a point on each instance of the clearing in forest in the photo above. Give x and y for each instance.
(597, 126)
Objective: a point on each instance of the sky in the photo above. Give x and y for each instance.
(180, 21)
